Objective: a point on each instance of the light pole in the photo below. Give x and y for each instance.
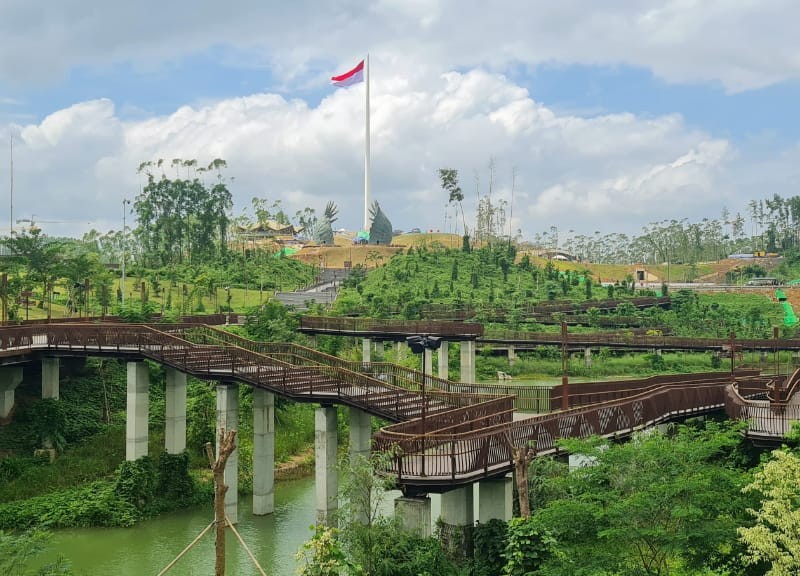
(424, 345)
(125, 203)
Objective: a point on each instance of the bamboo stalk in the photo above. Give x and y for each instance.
(246, 549)
(185, 550)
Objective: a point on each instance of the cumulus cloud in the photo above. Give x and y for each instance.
(741, 45)
(610, 172)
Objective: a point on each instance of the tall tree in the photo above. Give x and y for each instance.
(775, 537)
(449, 180)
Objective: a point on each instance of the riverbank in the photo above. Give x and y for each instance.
(150, 545)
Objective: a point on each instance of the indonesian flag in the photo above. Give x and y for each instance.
(354, 76)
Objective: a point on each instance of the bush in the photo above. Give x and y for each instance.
(95, 504)
(489, 542)
(136, 482)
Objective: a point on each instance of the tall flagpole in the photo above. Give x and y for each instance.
(11, 189)
(367, 181)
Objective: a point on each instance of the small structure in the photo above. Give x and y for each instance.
(381, 230)
(323, 231)
(269, 229)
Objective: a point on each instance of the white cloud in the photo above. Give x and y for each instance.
(612, 172)
(742, 44)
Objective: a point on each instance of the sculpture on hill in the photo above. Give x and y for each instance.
(323, 230)
(381, 230)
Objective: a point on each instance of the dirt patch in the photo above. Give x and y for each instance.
(298, 466)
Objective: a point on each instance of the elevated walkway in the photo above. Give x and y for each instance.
(446, 434)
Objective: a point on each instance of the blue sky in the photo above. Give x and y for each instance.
(613, 115)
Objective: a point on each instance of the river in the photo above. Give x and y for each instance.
(145, 549)
(148, 547)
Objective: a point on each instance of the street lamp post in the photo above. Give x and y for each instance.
(424, 345)
(125, 203)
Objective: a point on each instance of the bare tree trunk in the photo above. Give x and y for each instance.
(522, 458)
(227, 444)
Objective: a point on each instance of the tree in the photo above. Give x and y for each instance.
(37, 253)
(449, 179)
(16, 550)
(649, 505)
(775, 537)
(181, 219)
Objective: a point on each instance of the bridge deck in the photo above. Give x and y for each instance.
(467, 435)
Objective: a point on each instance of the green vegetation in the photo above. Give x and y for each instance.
(438, 275)
(662, 503)
(17, 550)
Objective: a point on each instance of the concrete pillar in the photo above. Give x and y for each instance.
(468, 361)
(495, 499)
(360, 433)
(457, 519)
(138, 405)
(263, 452)
(228, 419)
(444, 365)
(414, 515)
(9, 380)
(360, 444)
(366, 350)
(326, 475)
(427, 360)
(175, 433)
(587, 357)
(512, 354)
(50, 379)
(398, 351)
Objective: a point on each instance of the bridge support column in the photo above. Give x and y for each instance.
(360, 444)
(263, 452)
(360, 433)
(458, 518)
(366, 350)
(9, 380)
(427, 360)
(326, 475)
(444, 364)
(414, 515)
(138, 405)
(495, 499)
(175, 433)
(50, 378)
(228, 418)
(468, 361)
(512, 354)
(587, 357)
(398, 351)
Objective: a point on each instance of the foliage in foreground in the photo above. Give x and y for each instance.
(775, 538)
(659, 504)
(16, 550)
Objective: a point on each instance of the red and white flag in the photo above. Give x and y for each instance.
(354, 76)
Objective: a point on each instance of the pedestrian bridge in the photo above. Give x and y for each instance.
(443, 435)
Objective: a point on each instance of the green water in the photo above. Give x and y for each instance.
(149, 546)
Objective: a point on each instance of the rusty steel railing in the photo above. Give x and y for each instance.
(464, 437)
(768, 405)
(587, 393)
(638, 340)
(368, 326)
(527, 398)
(464, 456)
(311, 383)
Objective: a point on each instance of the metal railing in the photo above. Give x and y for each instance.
(466, 435)
(366, 326)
